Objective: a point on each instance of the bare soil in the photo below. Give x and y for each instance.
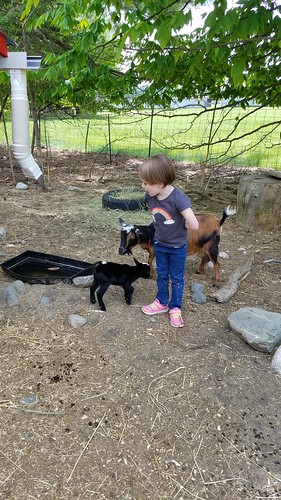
(127, 407)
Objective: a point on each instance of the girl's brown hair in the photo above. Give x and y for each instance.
(158, 170)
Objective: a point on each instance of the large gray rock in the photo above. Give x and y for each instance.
(259, 328)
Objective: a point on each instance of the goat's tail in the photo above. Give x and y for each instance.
(205, 239)
(95, 264)
(228, 211)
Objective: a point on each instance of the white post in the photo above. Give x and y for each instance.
(20, 124)
(18, 63)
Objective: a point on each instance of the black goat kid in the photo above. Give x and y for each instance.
(111, 273)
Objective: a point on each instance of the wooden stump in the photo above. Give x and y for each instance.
(259, 202)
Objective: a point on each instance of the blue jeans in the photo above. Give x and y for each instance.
(170, 263)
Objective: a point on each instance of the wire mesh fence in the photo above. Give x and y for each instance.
(209, 135)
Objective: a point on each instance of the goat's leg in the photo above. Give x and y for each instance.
(214, 256)
(217, 270)
(128, 293)
(204, 260)
(150, 260)
(100, 293)
(93, 289)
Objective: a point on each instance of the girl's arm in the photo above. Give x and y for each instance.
(190, 219)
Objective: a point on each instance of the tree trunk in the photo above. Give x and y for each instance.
(259, 202)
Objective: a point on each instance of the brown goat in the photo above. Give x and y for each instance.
(203, 241)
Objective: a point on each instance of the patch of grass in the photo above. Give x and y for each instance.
(239, 137)
(128, 194)
(105, 219)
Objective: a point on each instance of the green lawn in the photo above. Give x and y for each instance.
(182, 134)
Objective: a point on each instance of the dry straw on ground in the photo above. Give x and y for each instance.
(126, 407)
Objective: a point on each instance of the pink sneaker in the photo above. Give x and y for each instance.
(155, 308)
(176, 317)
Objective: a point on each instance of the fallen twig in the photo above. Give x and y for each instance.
(85, 447)
(12, 462)
(232, 285)
(249, 459)
(272, 261)
(153, 398)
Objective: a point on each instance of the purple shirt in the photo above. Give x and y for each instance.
(168, 221)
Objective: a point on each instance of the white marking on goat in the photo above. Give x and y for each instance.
(230, 210)
(127, 228)
(104, 262)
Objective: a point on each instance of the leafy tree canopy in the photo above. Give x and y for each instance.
(104, 52)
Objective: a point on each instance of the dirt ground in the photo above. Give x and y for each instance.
(125, 407)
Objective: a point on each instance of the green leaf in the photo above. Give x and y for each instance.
(237, 72)
(211, 19)
(28, 7)
(163, 34)
(83, 24)
(180, 20)
(243, 31)
(229, 20)
(179, 54)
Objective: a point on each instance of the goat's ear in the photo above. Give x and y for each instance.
(122, 222)
(138, 231)
(136, 262)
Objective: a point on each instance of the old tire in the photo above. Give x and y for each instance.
(113, 201)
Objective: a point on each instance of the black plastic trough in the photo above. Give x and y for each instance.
(43, 268)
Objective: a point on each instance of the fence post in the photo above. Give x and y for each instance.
(109, 139)
(150, 132)
(87, 136)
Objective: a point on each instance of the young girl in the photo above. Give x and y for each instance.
(172, 216)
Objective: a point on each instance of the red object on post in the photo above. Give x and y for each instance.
(3, 45)
(5, 40)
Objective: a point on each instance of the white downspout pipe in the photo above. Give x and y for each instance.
(20, 125)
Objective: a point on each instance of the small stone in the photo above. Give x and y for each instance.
(28, 400)
(21, 185)
(76, 320)
(10, 296)
(276, 361)
(83, 281)
(3, 234)
(44, 300)
(19, 286)
(196, 287)
(199, 297)
(223, 255)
